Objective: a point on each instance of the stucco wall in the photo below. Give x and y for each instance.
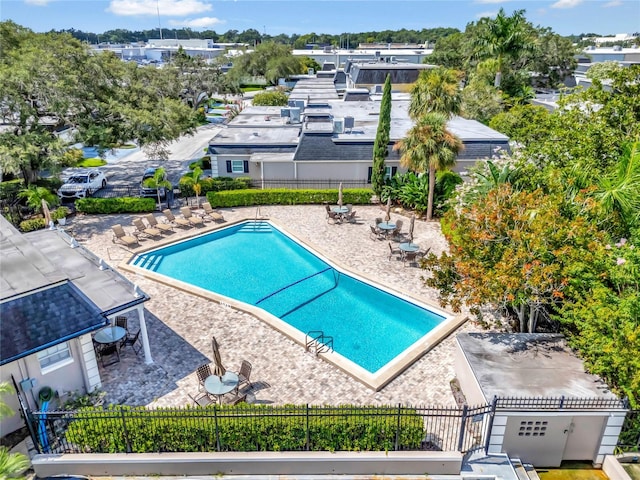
(68, 378)
(466, 379)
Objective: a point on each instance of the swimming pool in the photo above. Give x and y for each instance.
(259, 267)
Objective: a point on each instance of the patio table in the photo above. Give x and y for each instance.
(340, 210)
(218, 386)
(109, 334)
(387, 227)
(409, 247)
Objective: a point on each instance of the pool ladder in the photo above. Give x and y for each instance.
(318, 342)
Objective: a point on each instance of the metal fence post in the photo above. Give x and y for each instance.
(307, 439)
(492, 413)
(127, 441)
(463, 425)
(398, 427)
(215, 421)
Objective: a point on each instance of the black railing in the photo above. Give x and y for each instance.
(311, 184)
(283, 428)
(629, 439)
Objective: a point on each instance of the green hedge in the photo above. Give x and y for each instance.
(284, 196)
(244, 428)
(116, 205)
(213, 184)
(39, 223)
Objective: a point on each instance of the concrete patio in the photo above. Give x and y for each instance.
(181, 325)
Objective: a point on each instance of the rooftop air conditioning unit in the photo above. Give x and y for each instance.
(291, 103)
(310, 71)
(285, 112)
(294, 114)
(349, 123)
(338, 125)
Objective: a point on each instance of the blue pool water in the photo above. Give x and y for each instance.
(259, 265)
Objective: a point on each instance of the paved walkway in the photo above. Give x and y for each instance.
(181, 325)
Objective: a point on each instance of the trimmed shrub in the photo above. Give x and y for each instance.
(39, 223)
(116, 205)
(285, 196)
(245, 428)
(210, 184)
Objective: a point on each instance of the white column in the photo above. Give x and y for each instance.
(143, 333)
(91, 372)
(609, 440)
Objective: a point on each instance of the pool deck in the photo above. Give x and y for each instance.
(181, 325)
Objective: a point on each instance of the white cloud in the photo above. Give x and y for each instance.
(41, 3)
(203, 22)
(566, 3)
(613, 3)
(486, 14)
(173, 8)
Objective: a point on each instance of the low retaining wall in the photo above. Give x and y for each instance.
(250, 463)
(613, 468)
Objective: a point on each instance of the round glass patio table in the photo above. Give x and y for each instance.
(387, 226)
(110, 334)
(340, 209)
(409, 247)
(220, 385)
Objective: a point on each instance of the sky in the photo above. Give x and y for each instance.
(565, 17)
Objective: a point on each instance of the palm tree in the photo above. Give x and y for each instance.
(158, 181)
(436, 90)
(503, 38)
(429, 146)
(619, 192)
(12, 465)
(195, 183)
(34, 196)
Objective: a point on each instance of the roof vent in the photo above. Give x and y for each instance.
(349, 123)
(338, 125)
(294, 114)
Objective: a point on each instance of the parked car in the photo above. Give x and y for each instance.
(83, 184)
(147, 191)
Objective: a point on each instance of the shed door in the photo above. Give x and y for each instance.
(537, 440)
(585, 434)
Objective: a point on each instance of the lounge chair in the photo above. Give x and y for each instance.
(119, 235)
(394, 251)
(244, 374)
(201, 399)
(154, 223)
(209, 212)
(142, 230)
(181, 222)
(190, 217)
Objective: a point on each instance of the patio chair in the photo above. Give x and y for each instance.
(394, 251)
(131, 340)
(122, 322)
(181, 222)
(410, 257)
(397, 232)
(209, 212)
(110, 350)
(376, 233)
(328, 209)
(234, 399)
(378, 221)
(203, 372)
(119, 235)
(350, 217)
(244, 374)
(154, 223)
(190, 217)
(142, 230)
(333, 217)
(201, 399)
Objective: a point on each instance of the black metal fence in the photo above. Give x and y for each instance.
(256, 428)
(311, 184)
(629, 439)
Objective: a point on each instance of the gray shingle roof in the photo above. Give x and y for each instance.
(322, 147)
(30, 323)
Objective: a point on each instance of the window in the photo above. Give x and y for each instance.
(237, 166)
(54, 357)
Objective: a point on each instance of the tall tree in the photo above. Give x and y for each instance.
(429, 146)
(436, 90)
(504, 38)
(381, 143)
